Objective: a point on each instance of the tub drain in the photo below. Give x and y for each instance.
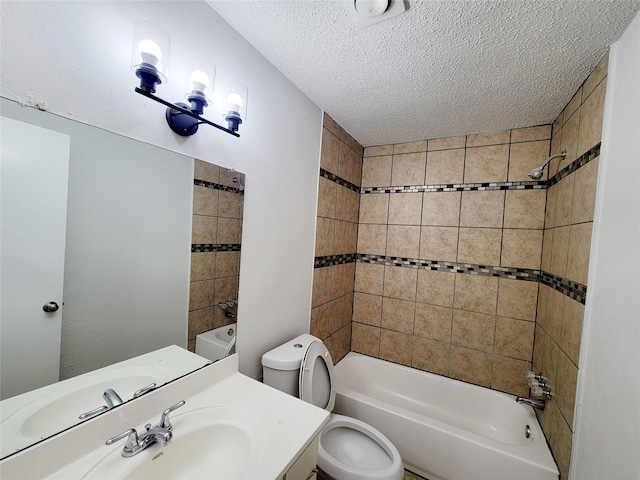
(527, 431)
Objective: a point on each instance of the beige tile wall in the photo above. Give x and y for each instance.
(474, 328)
(566, 247)
(336, 234)
(217, 219)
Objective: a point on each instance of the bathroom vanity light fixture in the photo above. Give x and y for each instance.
(371, 8)
(150, 61)
(368, 12)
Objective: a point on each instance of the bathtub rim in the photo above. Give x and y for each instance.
(540, 450)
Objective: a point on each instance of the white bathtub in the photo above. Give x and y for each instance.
(444, 429)
(217, 343)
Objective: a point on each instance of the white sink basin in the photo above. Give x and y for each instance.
(33, 416)
(213, 442)
(50, 415)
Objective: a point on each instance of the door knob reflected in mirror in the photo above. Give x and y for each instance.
(50, 307)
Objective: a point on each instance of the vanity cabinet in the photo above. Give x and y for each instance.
(304, 467)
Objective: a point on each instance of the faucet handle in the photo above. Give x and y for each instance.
(132, 439)
(93, 412)
(534, 378)
(144, 390)
(542, 391)
(164, 418)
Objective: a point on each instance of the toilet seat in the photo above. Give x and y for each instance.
(316, 377)
(349, 449)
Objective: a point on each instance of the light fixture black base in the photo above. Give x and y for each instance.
(233, 121)
(149, 78)
(181, 123)
(186, 111)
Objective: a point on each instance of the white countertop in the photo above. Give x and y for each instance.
(288, 424)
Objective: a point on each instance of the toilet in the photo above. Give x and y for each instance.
(348, 449)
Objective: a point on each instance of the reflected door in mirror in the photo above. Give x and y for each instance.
(35, 168)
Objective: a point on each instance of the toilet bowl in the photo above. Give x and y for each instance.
(354, 450)
(348, 449)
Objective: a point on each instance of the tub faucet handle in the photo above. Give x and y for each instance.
(542, 391)
(535, 377)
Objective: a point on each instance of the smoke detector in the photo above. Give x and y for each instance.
(369, 12)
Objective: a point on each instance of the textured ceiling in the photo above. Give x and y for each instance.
(442, 68)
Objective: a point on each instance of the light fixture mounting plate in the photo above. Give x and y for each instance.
(181, 123)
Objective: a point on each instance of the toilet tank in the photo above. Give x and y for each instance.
(281, 366)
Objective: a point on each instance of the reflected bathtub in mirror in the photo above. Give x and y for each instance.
(217, 343)
(128, 255)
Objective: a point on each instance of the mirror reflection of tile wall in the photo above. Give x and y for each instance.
(215, 247)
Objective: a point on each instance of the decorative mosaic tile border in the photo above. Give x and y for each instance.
(567, 287)
(579, 162)
(330, 260)
(215, 247)
(339, 180)
(217, 186)
(459, 187)
(453, 267)
(585, 158)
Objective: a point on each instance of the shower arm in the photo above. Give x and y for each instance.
(561, 154)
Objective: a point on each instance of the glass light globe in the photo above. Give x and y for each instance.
(371, 8)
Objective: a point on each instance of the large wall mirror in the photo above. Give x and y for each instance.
(147, 243)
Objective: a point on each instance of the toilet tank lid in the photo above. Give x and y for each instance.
(288, 356)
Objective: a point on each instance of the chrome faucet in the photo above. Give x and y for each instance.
(539, 388)
(162, 432)
(112, 398)
(532, 402)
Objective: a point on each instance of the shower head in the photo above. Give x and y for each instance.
(240, 186)
(536, 173)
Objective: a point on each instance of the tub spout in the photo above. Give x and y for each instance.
(112, 398)
(532, 402)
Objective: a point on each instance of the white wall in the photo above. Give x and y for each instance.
(607, 429)
(128, 238)
(75, 57)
